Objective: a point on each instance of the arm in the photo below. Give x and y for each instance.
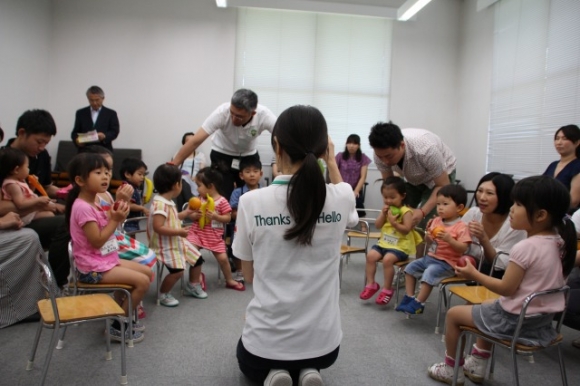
(476, 229)
(405, 226)
(575, 191)
(7, 207)
(458, 246)
(112, 131)
(190, 145)
(22, 202)
(248, 271)
(382, 217)
(440, 181)
(98, 237)
(332, 167)
(362, 180)
(76, 130)
(224, 218)
(506, 286)
(11, 220)
(138, 208)
(160, 228)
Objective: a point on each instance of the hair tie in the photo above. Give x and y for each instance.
(308, 152)
(566, 217)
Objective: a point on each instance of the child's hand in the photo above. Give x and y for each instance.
(443, 235)
(43, 201)
(476, 230)
(467, 272)
(124, 192)
(195, 214)
(392, 218)
(385, 210)
(120, 213)
(210, 215)
(145, 212)
(184, 231)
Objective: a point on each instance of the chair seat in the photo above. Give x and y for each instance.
(358, 235)
(104, 285)
(401, 263)
(507, 342)
(346, 249)
(474, 294)
(454, 279)
(81, 307)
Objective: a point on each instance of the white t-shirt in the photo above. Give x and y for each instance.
(189, 170)
(294, 313)
(237, 140)
(502, 241)
(540, 257)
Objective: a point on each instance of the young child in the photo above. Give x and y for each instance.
(538, 263)
(250, 173)
(92, 232)
(13, 174)
(167, 237)
(210, 236)
(398, 240)
(133, 171)
(449, 238)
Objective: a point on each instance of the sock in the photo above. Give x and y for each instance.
(476, 351)
(451, 361)
(117, 326)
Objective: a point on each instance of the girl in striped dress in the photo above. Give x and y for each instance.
(210, 235)
(167, 237)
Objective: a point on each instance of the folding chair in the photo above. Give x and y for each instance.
(63, 311)
(355, 234)
(346, 250)
(78, 287)
(512, 344)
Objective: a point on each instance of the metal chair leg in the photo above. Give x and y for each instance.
(30, 363)
(51, 348)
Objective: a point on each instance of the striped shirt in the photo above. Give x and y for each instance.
(173, 251)
(211, 236)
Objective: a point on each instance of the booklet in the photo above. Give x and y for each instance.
(91, 136)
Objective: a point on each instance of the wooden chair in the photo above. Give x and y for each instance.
(354, 234)
(346, 250)
(56, 312)
(512, 344)
(78, 287)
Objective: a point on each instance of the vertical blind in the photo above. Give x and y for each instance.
(535, 83)
(339, 64)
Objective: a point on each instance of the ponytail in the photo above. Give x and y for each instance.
(72, 195)
(567, 231)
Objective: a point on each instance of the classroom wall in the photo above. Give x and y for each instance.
(166, 65)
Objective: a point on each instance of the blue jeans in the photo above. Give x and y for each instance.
(430, 270)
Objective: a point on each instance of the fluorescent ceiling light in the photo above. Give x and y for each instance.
(410, 8)
(221, 3)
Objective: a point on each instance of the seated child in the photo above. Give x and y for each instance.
(250, 173)
(133, 171)
(449, 238)
(167, 237)
(398, 240)
(13, 174)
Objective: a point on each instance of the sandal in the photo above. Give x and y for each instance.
(141, 314)
(202, 275)
(238, 286)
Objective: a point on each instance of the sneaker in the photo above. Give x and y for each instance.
(278, 378)
(138, 336)
(474, 368)
(168, 300)
(195, 290)
(309, 377)
(369, 291)
(413, 307)
(137, 326)
(239, 276)
(406, 300)
(384, 297)
(442, 372)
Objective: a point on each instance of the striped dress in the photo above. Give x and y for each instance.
(211, 236)
(173, 251)
(19, 275)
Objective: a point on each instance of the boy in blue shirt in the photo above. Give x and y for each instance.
(133, 171)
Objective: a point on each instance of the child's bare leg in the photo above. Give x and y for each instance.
(238, 264)
(389, 270)
(410, 283)
(145, 270)
(424, 292)
(371, 266)
(195, 274)
(43, 214)
(222, 259)
(169, 282)
(457, 316)
(123, 275)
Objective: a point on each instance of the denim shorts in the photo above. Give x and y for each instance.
(401, 256)
(90, 278)
(430, 270)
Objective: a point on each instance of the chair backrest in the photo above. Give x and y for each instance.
(495, 259)
(364, 234)
(134, 220)
(523, 314)
(47, 282)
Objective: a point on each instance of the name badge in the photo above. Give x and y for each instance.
(216, 224)
(432, 247)
(110, 247)
(236, 164)
(390, 239)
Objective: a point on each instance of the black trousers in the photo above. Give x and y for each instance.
(223, 162)
(257, 368)
(54, 237)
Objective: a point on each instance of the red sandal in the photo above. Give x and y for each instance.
(238, 286)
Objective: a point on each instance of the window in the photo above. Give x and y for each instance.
(339, 64)
(536, 82)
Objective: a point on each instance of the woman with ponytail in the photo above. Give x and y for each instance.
(288, 237)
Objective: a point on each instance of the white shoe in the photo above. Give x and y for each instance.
(444, 373)
(310, 377)
(195, 290)
(474, 368)
(278, 378)
(168, 300)
(238, 276)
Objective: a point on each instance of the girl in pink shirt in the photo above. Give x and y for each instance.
(94, 244)
(540, 262)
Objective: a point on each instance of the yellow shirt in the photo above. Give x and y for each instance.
(393, 239)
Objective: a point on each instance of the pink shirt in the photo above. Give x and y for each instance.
(211, 236)
(442, 250)
(541, 258)
(86, 257)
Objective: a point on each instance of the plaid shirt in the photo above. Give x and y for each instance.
(426, 158)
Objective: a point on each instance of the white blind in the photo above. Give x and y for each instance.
(535, 84)
(339, 64)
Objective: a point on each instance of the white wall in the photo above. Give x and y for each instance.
(164, 66)
(25, 29)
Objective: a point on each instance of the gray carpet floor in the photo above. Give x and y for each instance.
(194, 344)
